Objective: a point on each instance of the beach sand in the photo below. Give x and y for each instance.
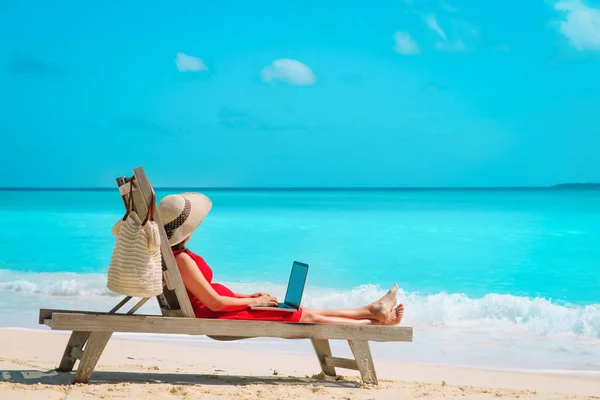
(147, 369)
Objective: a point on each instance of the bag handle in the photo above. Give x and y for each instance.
(130, 203)
(150, 214)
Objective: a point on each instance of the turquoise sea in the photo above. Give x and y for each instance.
(492, 278)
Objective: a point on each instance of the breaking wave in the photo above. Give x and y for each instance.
(453, 310)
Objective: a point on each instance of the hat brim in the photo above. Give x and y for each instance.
(200, 207)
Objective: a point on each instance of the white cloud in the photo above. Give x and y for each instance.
(404, 44)
(187, 63)
(447, 46)
(290, 71)
(580, 24)
(431, 22)
(458, 27)
(447, 7)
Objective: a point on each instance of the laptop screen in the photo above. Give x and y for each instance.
(296, 284)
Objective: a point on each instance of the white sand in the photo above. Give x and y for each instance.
(143, 369)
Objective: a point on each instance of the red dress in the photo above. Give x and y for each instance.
(232, 312)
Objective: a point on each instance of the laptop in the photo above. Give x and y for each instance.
(295, 289)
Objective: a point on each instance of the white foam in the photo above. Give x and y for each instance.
(452, 310)
(54, 284)
(497, 311)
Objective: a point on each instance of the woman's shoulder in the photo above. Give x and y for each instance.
(187, 254)
(183, 259)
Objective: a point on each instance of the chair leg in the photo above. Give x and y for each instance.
(91, 354)
(364, 360)
(77, 340)
(322, 348)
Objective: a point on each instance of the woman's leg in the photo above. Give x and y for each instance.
(355, 313)
(393, 318)
(310, 317)
(377, 311)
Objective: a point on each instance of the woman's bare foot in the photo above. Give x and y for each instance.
(380, 310)
(395, 316)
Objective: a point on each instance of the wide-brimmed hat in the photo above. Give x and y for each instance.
(182, 213)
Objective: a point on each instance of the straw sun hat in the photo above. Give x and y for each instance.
(182, 213)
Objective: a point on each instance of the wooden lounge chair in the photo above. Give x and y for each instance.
(91, 331)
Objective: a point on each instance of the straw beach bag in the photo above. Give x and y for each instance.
(135, 267)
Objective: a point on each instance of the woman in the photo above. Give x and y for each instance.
(182, 213)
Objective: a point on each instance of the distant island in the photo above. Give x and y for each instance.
(577, 186)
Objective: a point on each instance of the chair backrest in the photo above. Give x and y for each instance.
(174, 301)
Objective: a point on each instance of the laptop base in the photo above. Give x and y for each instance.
(280, 307)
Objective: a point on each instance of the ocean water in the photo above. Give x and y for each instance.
(504, 279)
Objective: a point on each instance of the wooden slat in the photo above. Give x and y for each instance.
(91, 354)
(323, 350)
(123, 186)
(76, 353)
(76, 341)
(168, 282)
(138, 305)
(212, 327)
(124, 190)
(364, 360)
(167, 312)
(46, 314)
(167, 253)
(121, 304)
(341, 362)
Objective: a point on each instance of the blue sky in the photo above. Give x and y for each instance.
(289, 93)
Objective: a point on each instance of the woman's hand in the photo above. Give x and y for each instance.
(258, 294)
(264, 300)
(251, 296)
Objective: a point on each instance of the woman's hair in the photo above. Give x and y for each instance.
(180, 245)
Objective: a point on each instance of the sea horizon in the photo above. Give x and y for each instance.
(559, 186)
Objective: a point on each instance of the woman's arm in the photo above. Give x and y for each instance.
(196, 283)
(246, 296)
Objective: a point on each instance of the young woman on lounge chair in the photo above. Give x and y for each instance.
(182, 213)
